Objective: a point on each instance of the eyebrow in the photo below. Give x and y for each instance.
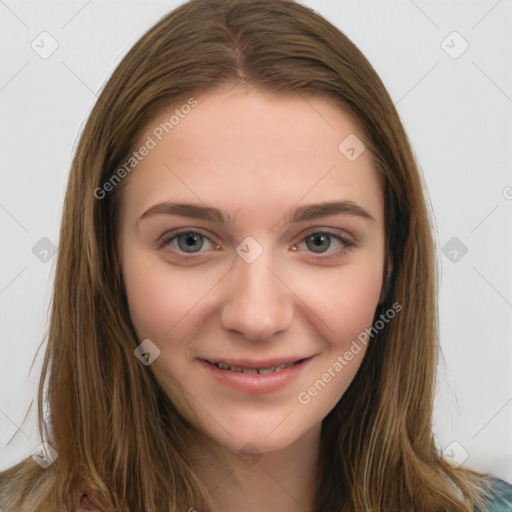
(299, 214)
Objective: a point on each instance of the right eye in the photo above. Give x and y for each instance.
(187, 241)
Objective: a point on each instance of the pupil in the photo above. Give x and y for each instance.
(321, 242)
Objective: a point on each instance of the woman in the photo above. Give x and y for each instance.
(244, 311)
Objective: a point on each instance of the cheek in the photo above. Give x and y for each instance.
(159, 298)
(342, 303)
(150, 307)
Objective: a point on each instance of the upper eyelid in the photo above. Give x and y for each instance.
(342, 233)
(168, 236)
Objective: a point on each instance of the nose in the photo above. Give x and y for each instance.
(258, 303)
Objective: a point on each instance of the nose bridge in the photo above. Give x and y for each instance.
(258, 304)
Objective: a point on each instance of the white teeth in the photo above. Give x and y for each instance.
(261, 371)
(249, 370)
(282, 366)
(264, 371)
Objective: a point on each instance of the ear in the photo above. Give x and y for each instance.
(386, 279)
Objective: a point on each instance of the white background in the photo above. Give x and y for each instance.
(457, 112)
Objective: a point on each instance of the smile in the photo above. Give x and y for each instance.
(261, 371)
(256, 377)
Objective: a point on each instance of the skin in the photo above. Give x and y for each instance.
(255, 156)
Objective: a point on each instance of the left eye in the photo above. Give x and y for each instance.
(321, 242)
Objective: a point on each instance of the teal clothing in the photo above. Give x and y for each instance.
(501, 497)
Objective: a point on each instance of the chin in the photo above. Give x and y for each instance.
(259, 439)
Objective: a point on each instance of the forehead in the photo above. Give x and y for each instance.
(250, 149)
(240, 121)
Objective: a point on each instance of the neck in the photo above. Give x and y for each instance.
(283, 480)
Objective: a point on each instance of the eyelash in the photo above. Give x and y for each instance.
(347, 244)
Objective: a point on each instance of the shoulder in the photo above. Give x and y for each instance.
(501, 498)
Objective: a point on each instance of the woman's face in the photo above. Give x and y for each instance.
(278, 260)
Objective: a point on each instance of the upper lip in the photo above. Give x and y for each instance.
(255, 363)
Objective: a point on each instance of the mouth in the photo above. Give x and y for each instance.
(256, 377)
(255, 368)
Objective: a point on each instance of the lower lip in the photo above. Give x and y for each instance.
(256, 383)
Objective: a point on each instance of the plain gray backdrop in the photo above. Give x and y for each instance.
(447, 66)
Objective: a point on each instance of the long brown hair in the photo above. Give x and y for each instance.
(117, 434)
